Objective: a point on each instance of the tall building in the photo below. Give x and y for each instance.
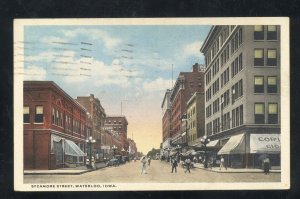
(118, 126)
(97, 115)
(242, 93)
(166, 120)
(195, 119)
(54, 127)
(185, 86)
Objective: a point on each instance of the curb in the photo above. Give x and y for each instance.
(224, 171)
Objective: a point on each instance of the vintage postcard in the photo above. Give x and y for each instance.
(151, 104)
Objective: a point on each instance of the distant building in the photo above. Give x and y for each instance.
(97, 115)
(54, 127)
(132, 148)
(166, 120)
(185, 86)
(195, 119)
(242, 91)
(117, 125)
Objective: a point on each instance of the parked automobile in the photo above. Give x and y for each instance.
(113, 162)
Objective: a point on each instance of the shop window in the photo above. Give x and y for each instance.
(258, 57)
(39, 114)
(26, 115)
(271, 32)
(259, 84)
(259, 113)
(273, 113)
(272, 57)
(258, 32)
(272, 85)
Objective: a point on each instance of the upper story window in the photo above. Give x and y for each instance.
(272, 57)
(39, 114)
(273, 113)
(26, 115)
(258, 57)
(271, 32)
(272, 84)
(259, 113)
(258, 84)
(259, 32)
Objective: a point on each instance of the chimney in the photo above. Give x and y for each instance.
(195, 67)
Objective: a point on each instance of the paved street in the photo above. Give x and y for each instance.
(157, 172)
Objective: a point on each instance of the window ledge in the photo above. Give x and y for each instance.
(38, 123)
(265, 66)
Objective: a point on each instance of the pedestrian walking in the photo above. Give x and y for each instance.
(174, 165)
(187, 164)
(149, 161)
(266, 165)
(222, 163)
(143, 164)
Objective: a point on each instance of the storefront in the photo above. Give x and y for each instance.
(65, 153)
(248, 150)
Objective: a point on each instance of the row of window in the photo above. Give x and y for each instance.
(219, 43)
(259, 84)
(260, 54)
(237, 65)
(114, 122)
(225, 77)
(259, 112)
(235, 43)
(237, 90)
(216, 86)
(38, 116)
(237, 118)
(259, 32)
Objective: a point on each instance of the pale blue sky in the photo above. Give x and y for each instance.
(115, 63)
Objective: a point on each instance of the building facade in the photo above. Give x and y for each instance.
(195, 119)
(117, 125)
(97, 114)
(54, 127)
(166, 112)
(186, 85)
(132, 148)
(242, 93)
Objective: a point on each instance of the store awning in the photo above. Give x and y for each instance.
(235, 145)
(72, 149)
(265, 143)
(213, 143)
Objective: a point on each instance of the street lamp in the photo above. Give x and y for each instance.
(204, 140)
(90, 141)
(114, 148)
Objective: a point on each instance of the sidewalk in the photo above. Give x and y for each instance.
(233, 170)
(65, 171)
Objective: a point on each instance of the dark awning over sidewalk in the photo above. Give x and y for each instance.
(235, 145)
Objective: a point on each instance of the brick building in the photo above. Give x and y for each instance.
(97, 114)
(243, 93)
(54, 127)
(186, 85)
(117, 125)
